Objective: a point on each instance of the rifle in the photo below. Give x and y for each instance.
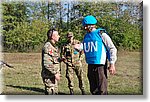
(6, 64)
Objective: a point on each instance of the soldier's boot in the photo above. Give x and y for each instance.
(83, 92)
(71, 92)
(49, 93)
(46, 93)
(52, 90)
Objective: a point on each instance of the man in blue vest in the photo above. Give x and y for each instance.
(98, 47)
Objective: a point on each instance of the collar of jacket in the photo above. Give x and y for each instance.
(71, 43)
(53, 44)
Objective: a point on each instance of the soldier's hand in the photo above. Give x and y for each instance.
(63, 59)
(78, 47)
(73, 65)
(57, 76)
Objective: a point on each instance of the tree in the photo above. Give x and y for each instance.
(26, 23)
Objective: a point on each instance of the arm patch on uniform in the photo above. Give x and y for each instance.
(50, 52)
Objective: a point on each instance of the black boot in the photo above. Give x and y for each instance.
(83, 92)
(71, 92)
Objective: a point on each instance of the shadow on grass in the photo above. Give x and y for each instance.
(32, 89)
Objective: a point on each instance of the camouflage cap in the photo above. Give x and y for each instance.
(69, 34)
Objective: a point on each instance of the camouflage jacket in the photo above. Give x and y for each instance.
(73, 56)
(50, 60)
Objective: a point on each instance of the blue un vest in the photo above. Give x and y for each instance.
(93, 46)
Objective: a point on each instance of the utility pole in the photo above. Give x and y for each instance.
(48, 11)
(68, 16)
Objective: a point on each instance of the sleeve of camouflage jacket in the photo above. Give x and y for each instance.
(63, 52)
(81, 55)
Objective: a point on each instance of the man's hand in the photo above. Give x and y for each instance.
(112, 69)
(57, 76)
(78, 47)
(63, 59)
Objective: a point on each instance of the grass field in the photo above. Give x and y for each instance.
(25, 78)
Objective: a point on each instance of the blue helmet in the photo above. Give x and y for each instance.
(89, 20)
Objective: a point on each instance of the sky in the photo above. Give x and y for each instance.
(78, 0)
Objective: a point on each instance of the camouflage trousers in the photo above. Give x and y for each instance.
(70, 76)
(51, 86)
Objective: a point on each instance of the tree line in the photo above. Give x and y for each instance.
(25, 24)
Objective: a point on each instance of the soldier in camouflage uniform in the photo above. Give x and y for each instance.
(50, 63)
(73, 62)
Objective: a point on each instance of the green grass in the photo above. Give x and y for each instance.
(25, 78)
